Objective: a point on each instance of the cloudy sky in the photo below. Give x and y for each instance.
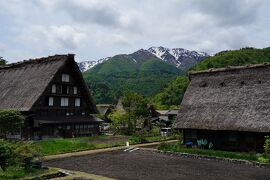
(94, 29)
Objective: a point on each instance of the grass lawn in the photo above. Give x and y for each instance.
(60, 145)
(16, 172)
(251, 156)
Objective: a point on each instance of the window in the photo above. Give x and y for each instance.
(77, 102)
(50, 101)
(90, 126)
(75, 90)
(53, 88)
(65, 77)
(64, 101)
(65, 89)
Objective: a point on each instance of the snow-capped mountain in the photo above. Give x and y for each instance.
(85, 65)
(179, 57)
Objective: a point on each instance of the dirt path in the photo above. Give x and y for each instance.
(144, 164)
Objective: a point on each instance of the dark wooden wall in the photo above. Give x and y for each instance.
(228, 140)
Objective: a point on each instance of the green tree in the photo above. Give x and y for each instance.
(10, 121)
(136, 107)
(119, 121)
(266, 145)
(2, 61)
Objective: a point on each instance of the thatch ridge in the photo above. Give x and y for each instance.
(228, 68)
(227, 99)
(36, 61)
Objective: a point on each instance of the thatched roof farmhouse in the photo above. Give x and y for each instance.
(164, 117)
(52, 95)
(229, 106)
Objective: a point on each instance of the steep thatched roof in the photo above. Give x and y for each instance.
(22, 83)
(235, 98)
(167, 112)
(104, 108)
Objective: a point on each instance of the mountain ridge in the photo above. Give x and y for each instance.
(179, 57)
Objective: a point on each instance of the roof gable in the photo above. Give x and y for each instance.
(21, 84)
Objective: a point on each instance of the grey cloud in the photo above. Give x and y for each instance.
(100, 15)
(107, 14)
(61, 37)
(111, 27)
(230, 12)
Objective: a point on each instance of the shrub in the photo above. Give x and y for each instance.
(266, 145)
(6, 155)
(21, 154)
(27, 153)
(136, 139)
(155, 131)
(10, 121)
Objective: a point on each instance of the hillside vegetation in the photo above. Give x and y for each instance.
(110, 79)
(174, 92)
(240, 57)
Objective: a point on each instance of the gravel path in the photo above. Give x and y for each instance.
(143, 164)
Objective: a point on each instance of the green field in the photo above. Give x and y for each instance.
(60, 145)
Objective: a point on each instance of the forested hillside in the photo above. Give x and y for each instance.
(144, 74)
(174, 92)
(234, 58)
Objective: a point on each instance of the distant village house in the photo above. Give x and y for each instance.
(164, 118)
(105, 110)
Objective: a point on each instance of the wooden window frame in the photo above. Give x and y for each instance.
(50, 101)
(64, 102)
(65, 77)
